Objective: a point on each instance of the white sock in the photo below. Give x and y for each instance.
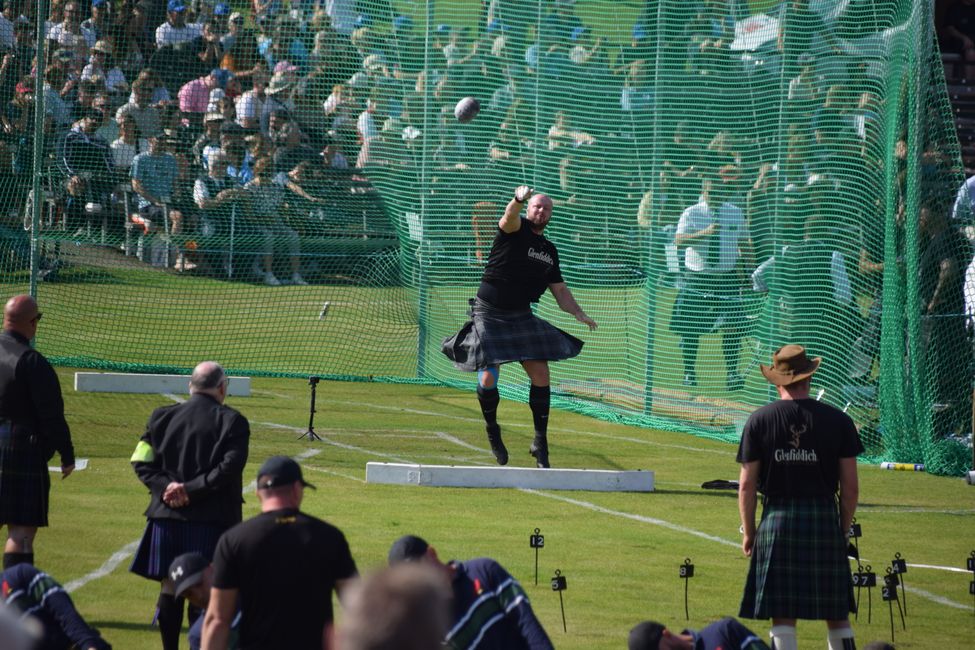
(841, 639)
(783, 637)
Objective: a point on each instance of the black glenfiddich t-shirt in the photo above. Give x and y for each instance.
(799, 443)
(520, 267)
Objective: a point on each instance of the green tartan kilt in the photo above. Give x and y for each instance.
(799, 567)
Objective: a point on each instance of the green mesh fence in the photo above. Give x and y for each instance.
(290, 193)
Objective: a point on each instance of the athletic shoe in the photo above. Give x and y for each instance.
(690, 380)
(539, 449)
(497, 445)
(297, 279)
(270, 280)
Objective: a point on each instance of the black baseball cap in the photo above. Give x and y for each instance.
(645, 636)
(408, 548)
(280, 470)
(187, 571)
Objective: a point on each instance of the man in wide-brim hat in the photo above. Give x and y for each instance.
(799, 453)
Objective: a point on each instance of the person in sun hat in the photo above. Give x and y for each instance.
(192, 459)
(798, 452)
(283, 565)
(489, 610)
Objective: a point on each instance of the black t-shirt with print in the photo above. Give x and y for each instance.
(285, 565)
(799, 444)
(520, 267)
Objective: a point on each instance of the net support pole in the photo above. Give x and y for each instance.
(38, 203)
(423, 298)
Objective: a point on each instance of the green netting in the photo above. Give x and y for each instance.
(818, 135)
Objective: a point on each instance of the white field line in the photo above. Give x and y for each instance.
(916, 510)
(110, 565)
(629, 515)
(941, 600)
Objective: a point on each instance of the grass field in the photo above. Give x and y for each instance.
(619, 552)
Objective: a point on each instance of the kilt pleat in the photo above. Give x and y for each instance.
(494, 336)
(25, 486)
(799, 567)
(165, 539)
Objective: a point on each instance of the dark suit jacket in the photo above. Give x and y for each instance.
(30, 399)
(202, 444)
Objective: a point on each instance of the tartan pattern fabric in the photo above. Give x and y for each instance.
(799, 567)
(166, 539)
(494, 336)
(24, 486)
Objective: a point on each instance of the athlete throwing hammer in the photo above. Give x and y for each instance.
(521, 265)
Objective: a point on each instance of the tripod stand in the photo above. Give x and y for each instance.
(310, 434)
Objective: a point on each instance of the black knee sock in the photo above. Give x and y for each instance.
(688, 349)
(170, 620)
(13, 559)
(489, 399)
(539, 398)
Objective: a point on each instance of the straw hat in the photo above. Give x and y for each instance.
(103, 46)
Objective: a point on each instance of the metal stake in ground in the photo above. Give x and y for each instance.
(559, 585)
(856, 532)
(899, 566)
(686, 571)
(865, 578)
(536, 541)
(889, 592)
(971, 585)
(310, 434)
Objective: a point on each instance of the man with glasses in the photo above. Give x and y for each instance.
(32, 428)
(191, 458)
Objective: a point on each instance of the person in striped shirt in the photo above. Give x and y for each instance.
(490, 610)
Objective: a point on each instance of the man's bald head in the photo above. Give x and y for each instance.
(208, 377)
(20, 315)
(539, 211)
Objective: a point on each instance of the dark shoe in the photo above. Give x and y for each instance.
(539, 450)
(690, 380)
(736, 382)
(497, 445)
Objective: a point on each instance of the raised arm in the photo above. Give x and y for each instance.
(511, 219)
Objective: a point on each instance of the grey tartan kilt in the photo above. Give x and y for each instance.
(494, 336)
(799, 567)
(24, 486)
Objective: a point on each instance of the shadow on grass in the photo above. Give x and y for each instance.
(729, 494)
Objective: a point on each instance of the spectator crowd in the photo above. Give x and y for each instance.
(216, 130)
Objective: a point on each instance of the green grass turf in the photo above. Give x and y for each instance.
(620, 552)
